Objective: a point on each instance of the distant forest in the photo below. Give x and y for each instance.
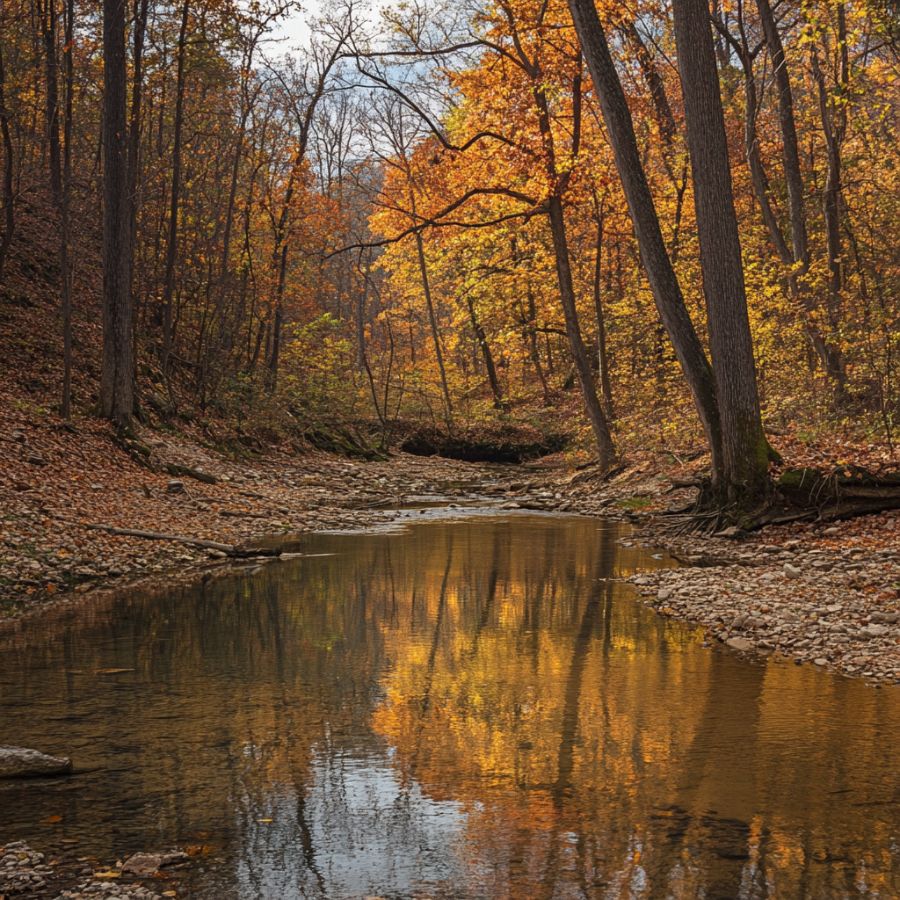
(632, 222)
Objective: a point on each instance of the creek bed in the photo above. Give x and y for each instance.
(471, 704)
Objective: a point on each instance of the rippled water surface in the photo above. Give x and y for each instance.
(472, 708)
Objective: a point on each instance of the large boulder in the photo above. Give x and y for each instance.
(22, 762)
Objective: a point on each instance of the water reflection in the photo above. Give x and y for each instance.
(466, 709)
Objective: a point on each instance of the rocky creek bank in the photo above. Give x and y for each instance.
(25, 872)
(818, 593)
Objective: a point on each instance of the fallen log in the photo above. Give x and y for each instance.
(233, 550)
(180, 471)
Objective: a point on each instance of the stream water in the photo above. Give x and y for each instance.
(471, 707)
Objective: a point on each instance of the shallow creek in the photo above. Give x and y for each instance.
(473, 705)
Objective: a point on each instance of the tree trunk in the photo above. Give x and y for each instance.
(829, 355)
(139, 31)
(9, 214)
(174, 199)
(744, 446)
(64, 237)
(485, 347)
(433, 323)
(360, 313)
(663, 282)
(282, 225)
(790, 152)
(116, 384)
(59, 191)
(661, 107)
(529, 336)
(834, 126)
(605, 448)
(602, 356)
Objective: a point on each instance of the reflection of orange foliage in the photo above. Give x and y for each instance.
(585, 739)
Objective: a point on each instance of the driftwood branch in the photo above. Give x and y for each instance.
(179, 470)
(232, 550)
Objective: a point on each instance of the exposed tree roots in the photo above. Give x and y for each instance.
(797, 495)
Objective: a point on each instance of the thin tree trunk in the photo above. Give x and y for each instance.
(69, 78)
(487, 355)
(834, 126)
(790, 152)
(9, 213)
(830, 356)
(360, 314)
(529, 333)
(605, 447)
(602, 356)
(175, 198)
(116, 385)
(433, 323)
(665, 120)
(663, 282)
(531, 342)
(139, 30)
(744, 446)
(58, 190)
(280, 251)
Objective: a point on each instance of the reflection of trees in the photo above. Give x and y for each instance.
(485, 688)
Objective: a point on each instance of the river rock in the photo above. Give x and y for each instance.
(22, 762)
(151, 863)
(739, 643)
(872, 631)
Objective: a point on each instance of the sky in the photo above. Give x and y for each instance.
(294, 31)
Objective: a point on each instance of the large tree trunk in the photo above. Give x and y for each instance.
(661, 275)
(744, 446)
(116, 384)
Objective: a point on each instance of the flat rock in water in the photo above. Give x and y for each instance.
(150, 863)
(22, 762)
(739, 643)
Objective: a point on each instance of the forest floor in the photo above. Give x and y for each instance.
(826, 594)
